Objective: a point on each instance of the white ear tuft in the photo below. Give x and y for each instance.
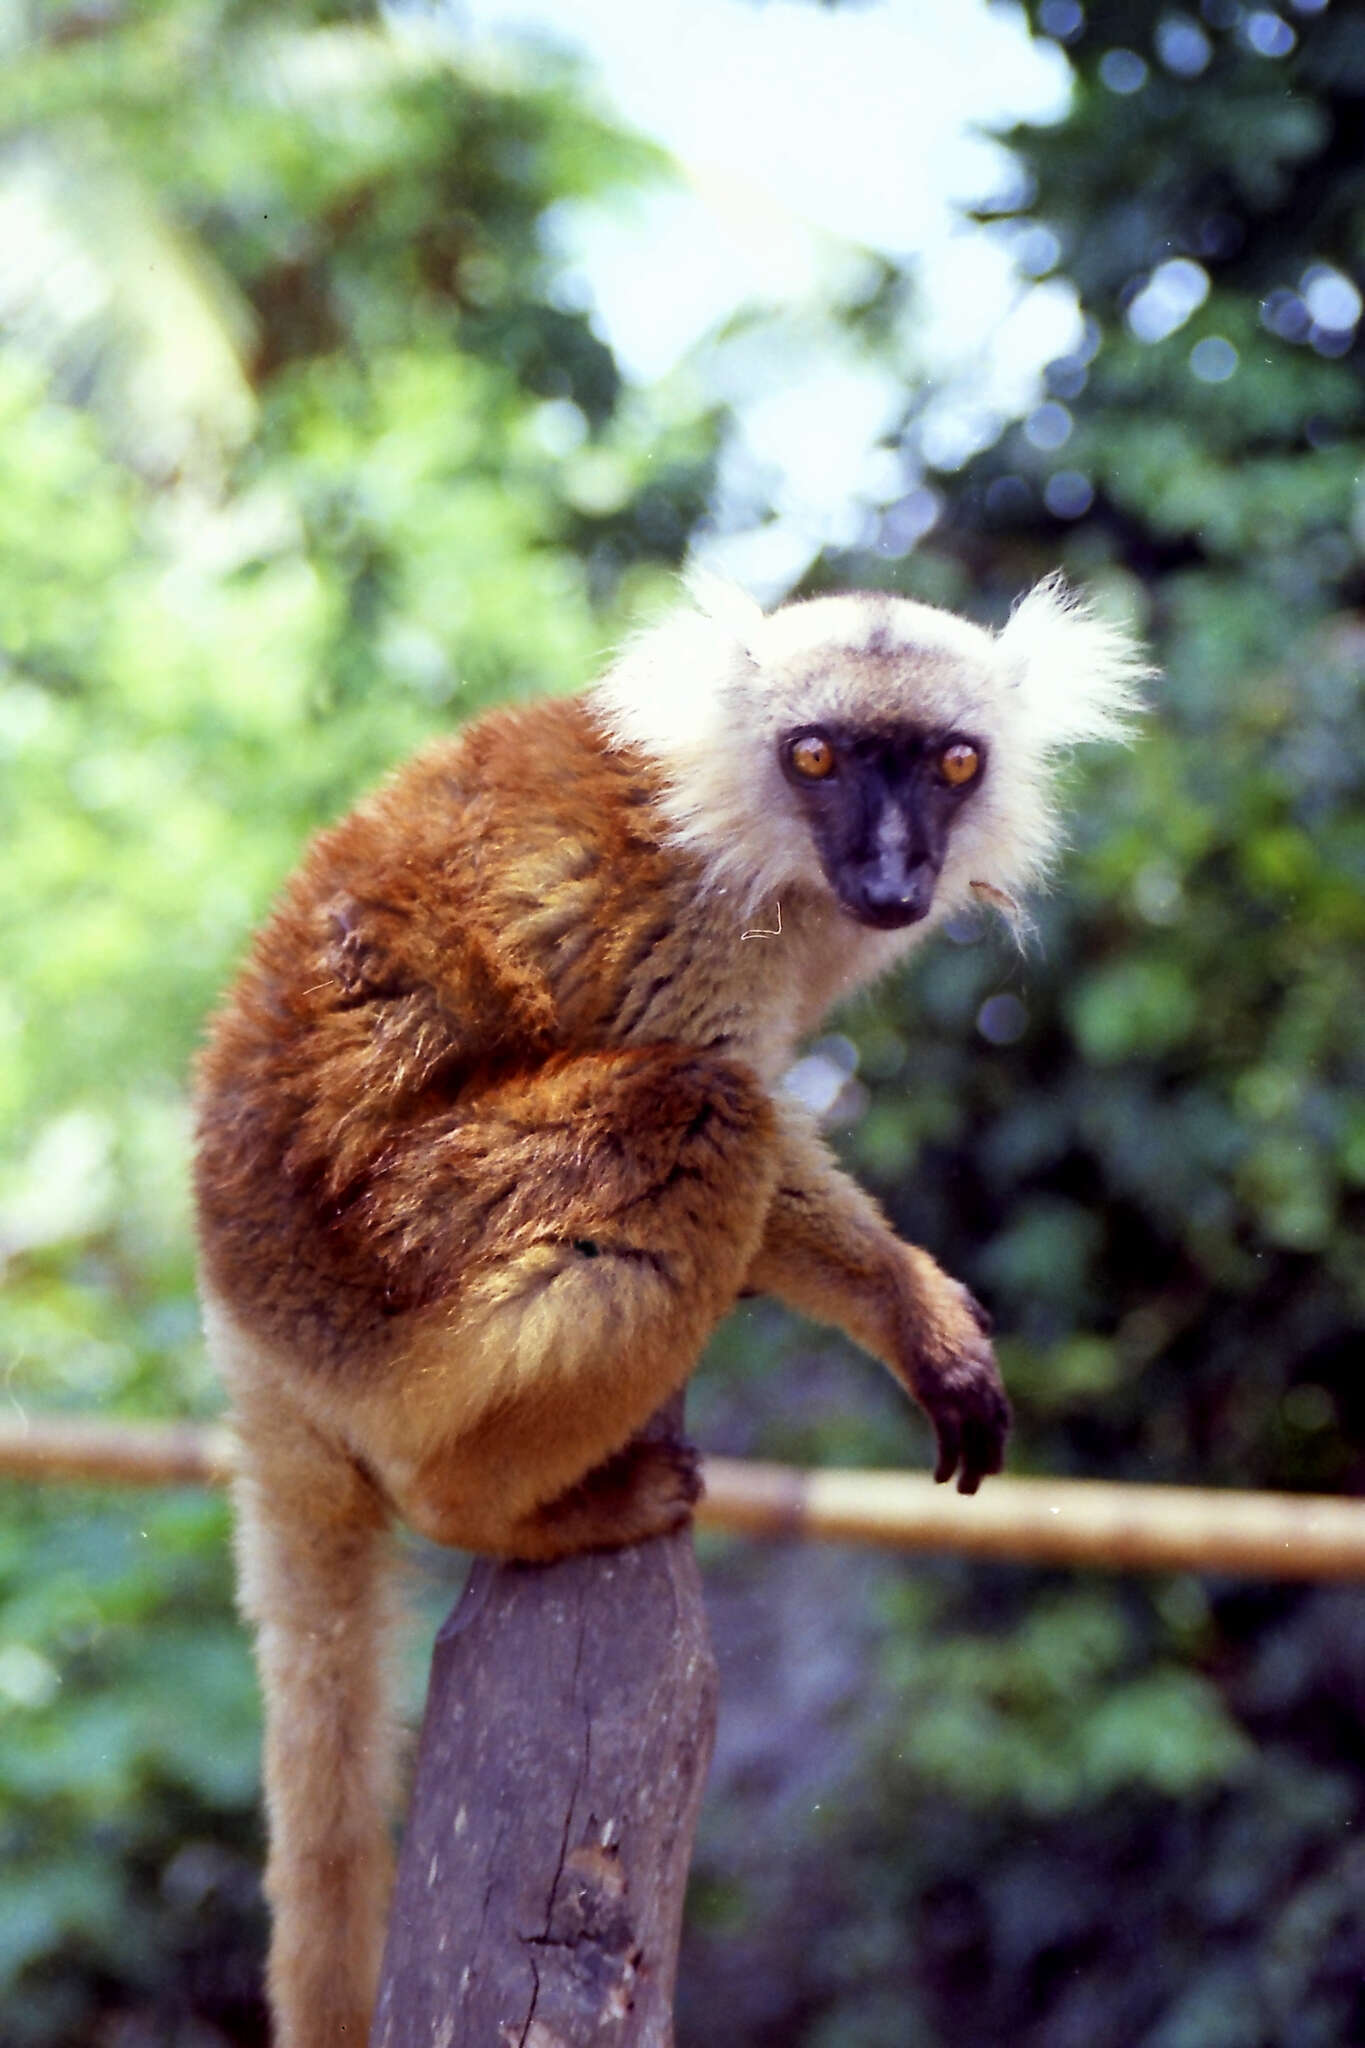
(671, 688)
(1079, 674)
(727, 605)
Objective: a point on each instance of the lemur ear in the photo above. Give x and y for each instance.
(670, 690)
(726, 605)
(1079, 673)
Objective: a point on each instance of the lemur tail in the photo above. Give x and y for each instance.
(314, 1579)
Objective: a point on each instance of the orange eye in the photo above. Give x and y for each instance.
(812, 757)
(958, 763)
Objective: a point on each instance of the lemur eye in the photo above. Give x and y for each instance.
(812, 757)
(958, 763)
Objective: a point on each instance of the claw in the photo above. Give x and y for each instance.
(949, 1448)
(971, 1416)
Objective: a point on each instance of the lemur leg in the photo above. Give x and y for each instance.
(828, 1250)
(621, 1199)
(646, 1489)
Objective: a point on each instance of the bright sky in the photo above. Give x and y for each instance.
(804, 134)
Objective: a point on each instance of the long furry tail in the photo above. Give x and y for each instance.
(314, 1579)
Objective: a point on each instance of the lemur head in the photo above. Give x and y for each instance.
(890, 753)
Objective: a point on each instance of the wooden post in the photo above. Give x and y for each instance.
(567, 1735)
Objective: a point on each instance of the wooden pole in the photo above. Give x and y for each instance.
(1091, 1524)
(567, 1735)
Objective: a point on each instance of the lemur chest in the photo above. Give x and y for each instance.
(691, 975)
(674, 961)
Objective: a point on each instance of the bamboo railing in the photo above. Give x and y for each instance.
(1088, 1523)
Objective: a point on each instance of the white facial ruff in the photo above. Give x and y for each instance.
(709, 692)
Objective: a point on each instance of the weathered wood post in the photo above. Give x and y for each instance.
(565, 1745)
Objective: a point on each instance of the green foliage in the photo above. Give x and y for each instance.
(1059, 1715)
(300, 460)
(1106, 1820)
(128, 1765)
(1162, 1160)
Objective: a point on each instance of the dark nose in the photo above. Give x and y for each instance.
(890, 894)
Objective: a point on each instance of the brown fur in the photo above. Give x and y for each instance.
(488, 1143)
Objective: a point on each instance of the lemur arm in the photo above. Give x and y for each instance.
(828, 1251)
